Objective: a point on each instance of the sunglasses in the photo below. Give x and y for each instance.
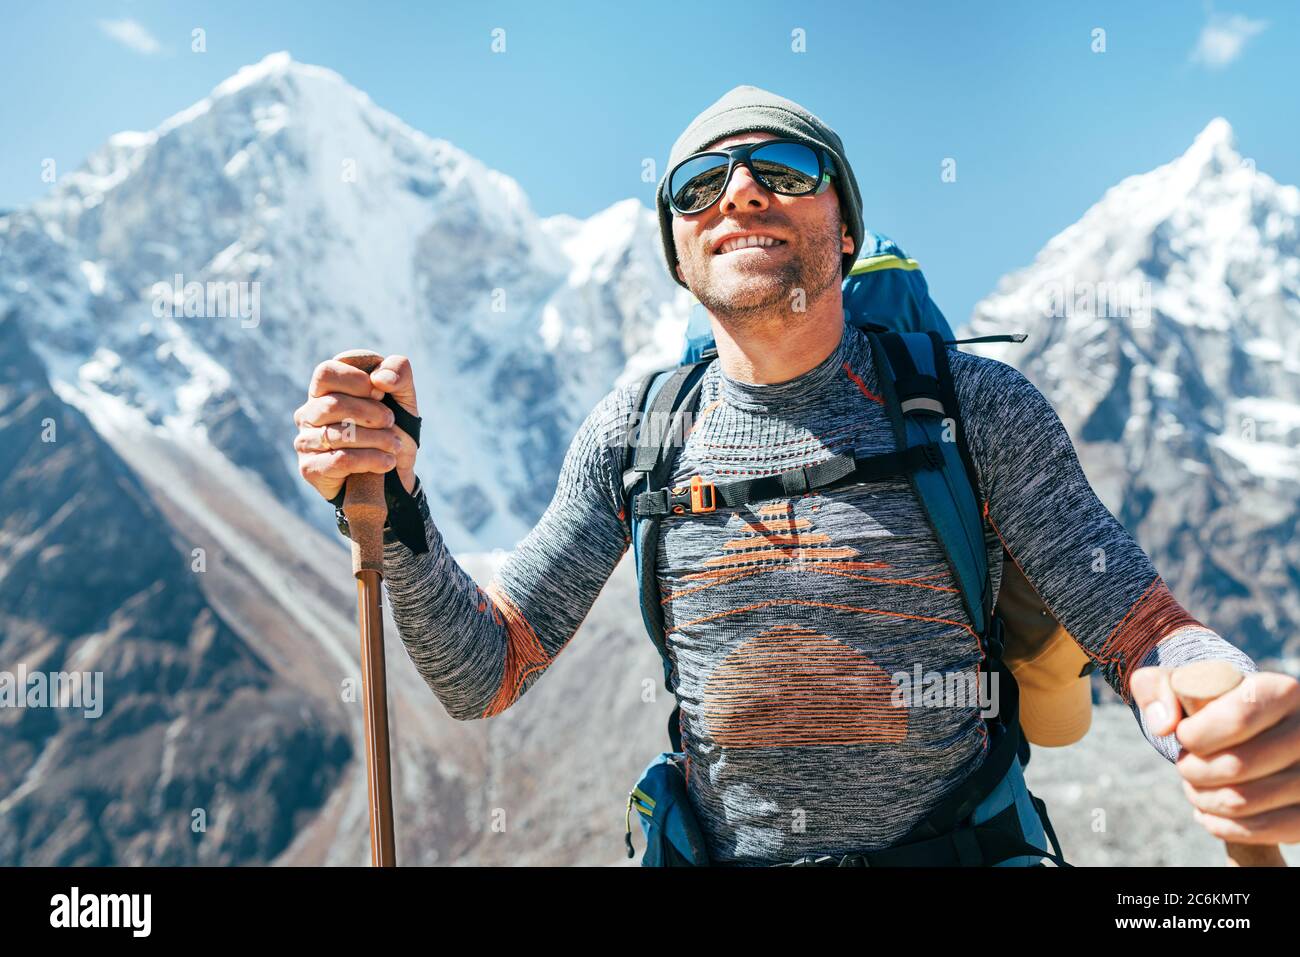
(788, 167)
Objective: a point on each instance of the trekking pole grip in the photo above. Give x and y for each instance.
(364, 505)
(1196, 685)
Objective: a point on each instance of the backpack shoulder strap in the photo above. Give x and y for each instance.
(916, 383)
(663, 400)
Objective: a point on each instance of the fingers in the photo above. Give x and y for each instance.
(406, 449)
(344, 462)
(1154, 695)
(1279, 826)
(344, 428)
(336, 408)
(394, 376)
(1266, 753)
(1260, 702)
(1248, 798)
(326, 471)
(335, 376)
(327, 438)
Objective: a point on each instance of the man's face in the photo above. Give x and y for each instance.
(755, 279)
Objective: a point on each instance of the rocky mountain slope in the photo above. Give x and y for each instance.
(188, 748)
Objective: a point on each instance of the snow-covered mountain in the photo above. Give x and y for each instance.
(351, 230)
(222, 682)
(175, 434)
(1165, 327)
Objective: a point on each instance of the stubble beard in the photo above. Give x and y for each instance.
(746, 300)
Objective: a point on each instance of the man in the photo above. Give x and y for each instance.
(785, 617)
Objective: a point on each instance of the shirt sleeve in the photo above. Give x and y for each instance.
(480, 648)
(1090, 573)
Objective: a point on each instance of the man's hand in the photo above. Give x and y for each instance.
(344, 427)
(1241, 754)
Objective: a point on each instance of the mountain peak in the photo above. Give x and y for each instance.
(273, 67)
(1218, 130)
(1215, 147)
(273, 64)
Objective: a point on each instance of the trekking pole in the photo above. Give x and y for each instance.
(366, 510)
(1196, 685)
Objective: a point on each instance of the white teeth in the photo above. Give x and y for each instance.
(741, 242)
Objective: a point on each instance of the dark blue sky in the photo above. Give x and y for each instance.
(1039, 124)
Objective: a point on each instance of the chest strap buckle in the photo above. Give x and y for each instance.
(700, 496)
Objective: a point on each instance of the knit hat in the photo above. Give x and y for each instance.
(749, 109)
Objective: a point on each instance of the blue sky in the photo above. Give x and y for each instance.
(1038, 122)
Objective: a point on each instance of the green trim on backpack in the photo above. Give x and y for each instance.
(886, 261)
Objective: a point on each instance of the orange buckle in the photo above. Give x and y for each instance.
(702, 497)
(698, 489)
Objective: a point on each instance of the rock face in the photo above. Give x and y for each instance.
(184, 726)
(312, 221)
(1163, 326)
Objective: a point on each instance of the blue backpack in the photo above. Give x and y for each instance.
(991, 818)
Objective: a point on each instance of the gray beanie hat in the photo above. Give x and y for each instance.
(748, 109)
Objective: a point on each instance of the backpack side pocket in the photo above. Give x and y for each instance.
(668, 823)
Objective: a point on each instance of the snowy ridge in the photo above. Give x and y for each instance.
(1191, 268)
(355, 230)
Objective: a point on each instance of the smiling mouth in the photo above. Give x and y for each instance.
(745, 243)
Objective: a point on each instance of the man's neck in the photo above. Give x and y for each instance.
(780, 349)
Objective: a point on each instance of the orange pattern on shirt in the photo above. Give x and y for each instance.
(790, 686)
(524, 652)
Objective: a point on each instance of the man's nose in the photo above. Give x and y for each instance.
(743, 190)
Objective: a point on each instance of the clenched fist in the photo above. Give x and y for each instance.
(344, 427)
(1240, 760)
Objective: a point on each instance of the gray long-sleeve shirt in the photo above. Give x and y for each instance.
(786, 618)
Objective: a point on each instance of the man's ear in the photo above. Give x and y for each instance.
(846, 241)
(680, 274)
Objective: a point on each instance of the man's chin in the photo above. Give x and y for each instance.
(741, 289)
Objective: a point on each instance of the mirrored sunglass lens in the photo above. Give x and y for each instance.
(697, 183)
(789, 168)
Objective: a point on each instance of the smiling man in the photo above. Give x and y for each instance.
(784, 617)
